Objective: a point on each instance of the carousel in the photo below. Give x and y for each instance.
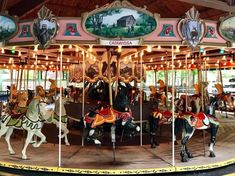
(79, 101)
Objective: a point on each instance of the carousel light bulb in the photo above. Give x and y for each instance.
(231, 60)
(151, 60)
(61, 48)
(221, 51)
(177, 49)
(35, 63)
(90, 48)
(162, 58)
(192, 61)
(36, 48)
(188, 55)
(125, 59)
(13, 50)
(39, 61)
(94, 58)
(58, 58)
(46, 63)
(51, 62)
(161, 65)
(136, 55)
(207, 58)
(7, 66)
(46, 57)
(224, 58)
(141, 53)
(149, 48)
(34, 55)
(159, 47)
(217, 61)
(204, 53)
(70, 46)
(119, 48)
(63, 67)
(77, 49)
(83, 52)
(3, 51)
(68, 60)
(19, 53)
(4, 65)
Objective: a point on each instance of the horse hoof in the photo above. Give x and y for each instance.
(67, 144)
(184, 159)
(212, 154)
(12, 153)
(35, 145)
(190, 155)
(24, 157)
(153, 146)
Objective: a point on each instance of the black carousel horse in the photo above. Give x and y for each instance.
(187, 122)
(120, 116)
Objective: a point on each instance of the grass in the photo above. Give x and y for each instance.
(113, 32)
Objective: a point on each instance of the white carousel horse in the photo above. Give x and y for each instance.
(31, 122)
(54, 112)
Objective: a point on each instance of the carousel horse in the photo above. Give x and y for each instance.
(188, 122)
(98, 91)
(224, 98)
(75, 93)
(31, 122)
(161, 95)
(133, 95)
(120, 115)
(54, 117)
(52, 90)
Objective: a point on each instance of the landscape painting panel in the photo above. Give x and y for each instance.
(7, 27)
(120, 22)
(227, 29)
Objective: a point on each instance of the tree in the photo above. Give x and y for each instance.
(97, 19)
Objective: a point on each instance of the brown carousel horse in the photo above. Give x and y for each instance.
(161, 94)
(225, 98)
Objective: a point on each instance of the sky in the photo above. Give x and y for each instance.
(124, 12)
(229, 22)
(4, 21)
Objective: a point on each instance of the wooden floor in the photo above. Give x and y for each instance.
(134, 158)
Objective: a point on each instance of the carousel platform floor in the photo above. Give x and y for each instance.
(129, 159)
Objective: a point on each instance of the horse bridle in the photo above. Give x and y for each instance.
(39, 112)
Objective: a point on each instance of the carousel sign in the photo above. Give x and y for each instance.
(120, 20)
(120, 42)
(191, 28)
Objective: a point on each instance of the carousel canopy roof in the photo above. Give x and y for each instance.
(158, 58)
(208, 9)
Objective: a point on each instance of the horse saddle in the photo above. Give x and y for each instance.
(15, 115)
(104, 116)
(223, 95)
(202, 121)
